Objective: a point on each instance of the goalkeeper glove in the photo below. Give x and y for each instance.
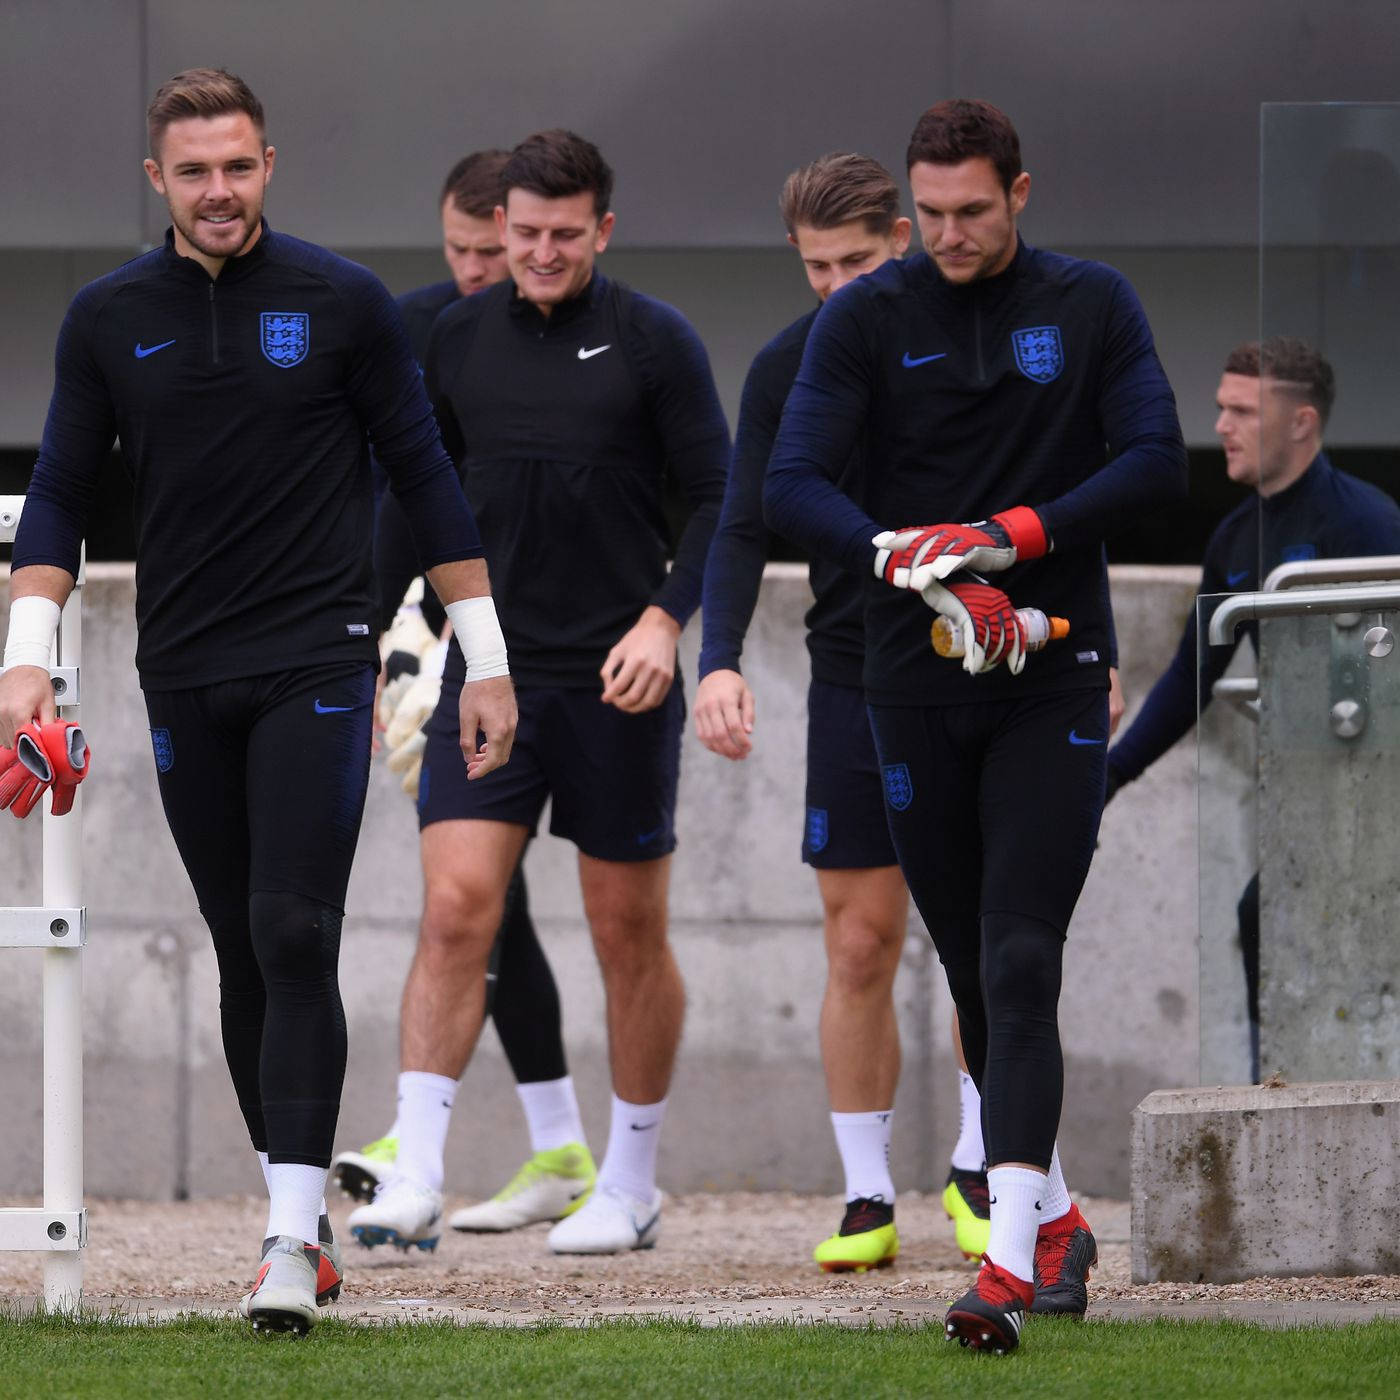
(917, 555)
(991, 631)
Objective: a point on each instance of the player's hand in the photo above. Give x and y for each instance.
(917, 555)
(641, 668)
(724, 711)
(489, 706)
(991, 631)
(26, 695)
(1116, 703)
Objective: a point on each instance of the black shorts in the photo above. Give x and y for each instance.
(263, 780)
(611, 776)
(995, 808)
(845, 827)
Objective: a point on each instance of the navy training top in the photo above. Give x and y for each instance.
(1040, 386)
(243, 404)
(563, 428)
(734, 568)
(1325, 514)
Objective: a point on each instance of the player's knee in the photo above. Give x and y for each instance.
(862, 955)
(459, 916)
(628, 941)
(1021, 964)
(297, 939)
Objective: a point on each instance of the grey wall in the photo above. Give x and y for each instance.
(749, 1104)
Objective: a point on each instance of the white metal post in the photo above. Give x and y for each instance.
(63, 1005)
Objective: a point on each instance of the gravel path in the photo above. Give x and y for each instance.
(720, 1257)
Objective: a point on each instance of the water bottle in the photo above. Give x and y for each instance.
(1039, 629)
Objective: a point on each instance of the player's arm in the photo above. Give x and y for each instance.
(78, 436)
(640, 669)
(390, 398)
(821, 423)
(724, 704)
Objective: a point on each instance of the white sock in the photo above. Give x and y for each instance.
(425, 1111)
(267, 1178)
(298, 1200)
(969, 1155)
(1055, 1202)
(1016, 1194)
(863, 1140)
(551, 1111)
(633, 1138)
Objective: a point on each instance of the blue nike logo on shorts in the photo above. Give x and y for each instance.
(141, 353)
(1076, 740)
(1234, 580)
(332, 709)
(911, 363)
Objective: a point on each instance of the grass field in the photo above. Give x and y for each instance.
(44, 1356)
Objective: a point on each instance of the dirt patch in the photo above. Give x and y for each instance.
(715, 1251)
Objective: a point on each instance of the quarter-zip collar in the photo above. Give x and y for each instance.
(564, 312)
(234, 269)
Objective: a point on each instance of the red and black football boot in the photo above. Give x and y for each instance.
(1065, 1251)
(990, 1315)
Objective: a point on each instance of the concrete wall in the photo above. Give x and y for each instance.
(749, 1106)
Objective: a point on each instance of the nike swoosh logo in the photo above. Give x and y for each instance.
(1234, 580)
(332, 709)
(141, 352)
(589, 354)
(910, 362)
(1075, 739)
(641, 1127)
(648, 837)
(642, 1229)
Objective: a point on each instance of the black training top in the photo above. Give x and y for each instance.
(1040, 387)
(562, 427)
(734, 569)
(1325, 514)
(395, 556)
(242, 405)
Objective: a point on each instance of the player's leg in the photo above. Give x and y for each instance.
(865, 908)
(309, 735)
(1033, 872)
(1247, 912)
(614, 779)
(472, 837)
(523, 1000)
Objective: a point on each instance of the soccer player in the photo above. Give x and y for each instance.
(242, 370)
(986, 381)
(566, 399)
(522, 997)
(1274, 400)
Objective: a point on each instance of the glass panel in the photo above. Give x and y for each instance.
(1315, 813)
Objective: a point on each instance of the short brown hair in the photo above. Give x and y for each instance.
(961, 129)
(1296, 366)
(200, 92)
(837, 189)
(474, 184)
(555, 164)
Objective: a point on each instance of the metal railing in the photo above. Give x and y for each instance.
(59, 926)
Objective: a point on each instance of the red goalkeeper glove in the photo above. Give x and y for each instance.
(25, 771)
(917, 555)
(991, 631)
(68, 755)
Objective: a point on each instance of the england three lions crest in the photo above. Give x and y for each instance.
(1040, 355)
(286, 337)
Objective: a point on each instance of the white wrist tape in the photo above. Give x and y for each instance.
(479, 635)
(33, 622)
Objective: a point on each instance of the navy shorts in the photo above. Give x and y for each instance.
(994, 808)
(611, 776)
(846, 827)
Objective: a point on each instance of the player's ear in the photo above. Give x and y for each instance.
(1019, 192)
(499, 214)
(269, 159)
(153, 175)
(605, 228)
(900, 236)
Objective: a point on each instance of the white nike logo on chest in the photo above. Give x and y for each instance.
(589, 354)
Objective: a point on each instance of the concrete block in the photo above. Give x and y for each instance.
(1232, 1183)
